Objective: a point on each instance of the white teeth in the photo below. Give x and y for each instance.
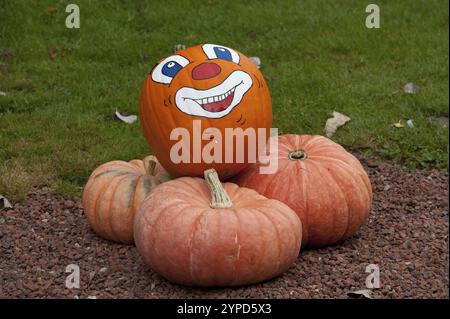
(216, 98)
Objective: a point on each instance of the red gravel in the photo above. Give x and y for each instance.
(406, 236)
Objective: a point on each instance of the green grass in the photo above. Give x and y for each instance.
(318, 56)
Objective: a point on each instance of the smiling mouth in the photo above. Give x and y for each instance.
(219, 102)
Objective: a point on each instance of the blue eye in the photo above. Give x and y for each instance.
(222, 53)
(171, 68)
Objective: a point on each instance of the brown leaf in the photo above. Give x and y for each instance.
(54, 53)
(49, 11)
(7, 53)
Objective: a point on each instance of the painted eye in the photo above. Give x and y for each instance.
(171, 68)
(223, 53)
(214, 51)
(166, 70)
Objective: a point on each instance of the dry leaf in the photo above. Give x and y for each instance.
(2, 93)
(442, 120)
(49, 11)
(256, 60)
(398, 124)
(4, 66)
(178, 47)
(364, 293)
(7, 53)
(4, 202)
(127, 119)
(410, 88)
(335, 122)
(54, 53)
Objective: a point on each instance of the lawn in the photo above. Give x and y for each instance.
(63, 85)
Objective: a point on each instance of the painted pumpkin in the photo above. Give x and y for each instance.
(324, 184)
(202, 233)
(195, 95)
(113, 193)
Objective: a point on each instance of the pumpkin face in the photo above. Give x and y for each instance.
(213, 85)
(201, 233)
(113, 193)
(324, 184)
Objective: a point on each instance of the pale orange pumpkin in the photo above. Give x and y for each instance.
(113, 193)
(202, 233)
(324, 184)
(214, 85)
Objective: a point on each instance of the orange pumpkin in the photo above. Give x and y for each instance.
(325, 185)
(202, 233)
(113, 193)
(215, 85)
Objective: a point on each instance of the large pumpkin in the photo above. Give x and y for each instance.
(321, 181)
(215, 86)
(113, 193)
(202, 233)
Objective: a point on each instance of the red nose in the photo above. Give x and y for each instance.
(205, 70)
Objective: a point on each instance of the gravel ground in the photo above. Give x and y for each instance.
(406, 236)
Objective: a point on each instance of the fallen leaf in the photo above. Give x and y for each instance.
(2, 93)
(410, 123)
(410, 88)
(4, 202)
(256, 60)
(54, 53)
(49, 11)
(4, 66)
(398, 124)
(178, 47)
(7, 53)
(126, 118)
(442, 120)
(335, 122)
(364, 293)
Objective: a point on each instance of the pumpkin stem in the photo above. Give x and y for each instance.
(151, 167)
(219, 196)
(298, 155)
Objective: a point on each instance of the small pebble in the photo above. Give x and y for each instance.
(407, 239)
